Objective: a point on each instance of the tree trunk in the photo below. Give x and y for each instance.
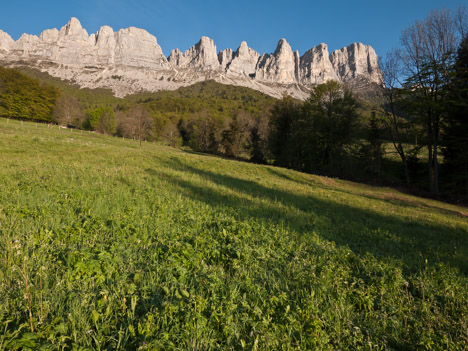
(379, 155)
(430, 152)
(435, 160)
(399, 147)
(405, 165)
(330, 143)
(139, 129)
(466, 176)
(433, 173)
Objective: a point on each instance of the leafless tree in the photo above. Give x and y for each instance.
(171, 135)
(137, 123)
(67, 111)
(428, 49)
(391, 73)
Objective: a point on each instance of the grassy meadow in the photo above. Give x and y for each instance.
(108, 245)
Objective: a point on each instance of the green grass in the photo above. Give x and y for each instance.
(152, 248)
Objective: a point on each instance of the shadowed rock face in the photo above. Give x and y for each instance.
(134, 55)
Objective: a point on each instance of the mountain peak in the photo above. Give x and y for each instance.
(206, 41)
(6, 41)
(283, 43)
(73, 26)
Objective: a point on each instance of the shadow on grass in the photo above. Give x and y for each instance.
(363, 231)
(391, 197)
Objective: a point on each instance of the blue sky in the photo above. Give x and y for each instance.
(181, 23)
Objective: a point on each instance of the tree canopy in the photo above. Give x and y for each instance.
(23, 97)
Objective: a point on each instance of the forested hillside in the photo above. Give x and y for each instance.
(23, 97)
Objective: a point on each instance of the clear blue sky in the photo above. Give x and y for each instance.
(181, 23)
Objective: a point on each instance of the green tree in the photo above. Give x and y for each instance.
(455, 135)
(203, 132)
(312, 136)
(235, 138)
(171, 134)
(373, 149)
(281, 132)
(23, 97)
(256, 145)
(330, 116)
(102, 120)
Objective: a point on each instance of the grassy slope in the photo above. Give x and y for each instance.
(156, 248)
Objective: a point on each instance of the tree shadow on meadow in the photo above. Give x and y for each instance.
(393, 198)
(363, 231)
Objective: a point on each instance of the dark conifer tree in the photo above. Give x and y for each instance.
(455, 136)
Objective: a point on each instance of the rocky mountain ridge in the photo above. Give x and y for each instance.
(131, 60)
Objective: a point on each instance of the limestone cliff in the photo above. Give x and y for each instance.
(243, 61)
(316, 67)
(279, 67)
(202, 55)
(131, 60)
(356, 60)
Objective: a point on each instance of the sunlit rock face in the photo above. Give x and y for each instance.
(136, 47)
(316, 67)
(225, 57)
(202, 55)
(279, 67)
(6, 43)
(356, 60)
(131, 60)
(72, 45)
(243, 62)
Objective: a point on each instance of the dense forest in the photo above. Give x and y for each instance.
(23, 97)
(412, 133)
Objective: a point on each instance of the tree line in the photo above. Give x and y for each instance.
(422, 113)
(426, 91)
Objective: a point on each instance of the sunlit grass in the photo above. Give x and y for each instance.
(128, 247)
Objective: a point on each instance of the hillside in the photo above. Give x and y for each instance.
(24, 97)
(210, 96)
(108, 245)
